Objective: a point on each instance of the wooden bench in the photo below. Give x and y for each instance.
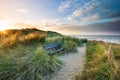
(53, 48)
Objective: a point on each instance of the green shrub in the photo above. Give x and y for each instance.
(116, 51)
(8, 69)
(97, 66)
(105, 72)
(84, 40)
(53, 40)
(77, 40)
(35, 66)
(68, 43)
(23, 58)
(69, 46)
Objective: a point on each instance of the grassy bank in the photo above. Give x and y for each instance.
(69, 44)
(97, 66)
(22, 56)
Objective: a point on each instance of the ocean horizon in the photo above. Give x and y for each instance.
(105, 38)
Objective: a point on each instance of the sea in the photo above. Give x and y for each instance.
(105, 38)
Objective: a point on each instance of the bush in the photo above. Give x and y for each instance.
(116, 51)
(69, 46)
(105, 72)
(29, 38)
(53, 40)
(68, 43)
(84, 40)
(97, 66)
(35, 66)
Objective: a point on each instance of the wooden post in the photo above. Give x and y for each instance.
(109, 52)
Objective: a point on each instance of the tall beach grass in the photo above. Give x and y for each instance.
(22, 57)
(69, 44)
(97, 66)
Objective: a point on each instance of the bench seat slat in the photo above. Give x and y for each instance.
(51, 46)
(53, 52)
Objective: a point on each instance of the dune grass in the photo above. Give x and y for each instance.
(35, 66)
(116, 51)
(97, 66)
(22, 57)
(69, 44)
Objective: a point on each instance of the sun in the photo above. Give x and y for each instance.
(5, 24)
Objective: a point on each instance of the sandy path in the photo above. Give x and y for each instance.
(73, 63)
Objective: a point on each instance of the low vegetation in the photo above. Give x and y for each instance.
(68, 43)
(22, 56)
(97, 66)
(36, 65)
(116, 51)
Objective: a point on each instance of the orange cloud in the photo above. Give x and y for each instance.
(26, 25)
(2, 18)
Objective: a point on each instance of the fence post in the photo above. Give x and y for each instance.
(110, 52)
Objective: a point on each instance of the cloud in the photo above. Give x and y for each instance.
(22, 10)
(65, 5)
(67, 29)
(70, 18)
(88, 10)
(109, 27)
(90, 18)
(78, 12)
(98, 28)
(84, 10)
(2, 18)
(50, 23)
(115, 14)
(26, 25)
(44, 24)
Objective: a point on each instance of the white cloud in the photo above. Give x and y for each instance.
(78, 12)
(22, 10)
(70, 18)
(91, 18)
(84, 10)
(49, 23)
(65, 5)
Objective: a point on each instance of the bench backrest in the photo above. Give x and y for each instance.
(52, 44)
(49, 46)
(57, 46)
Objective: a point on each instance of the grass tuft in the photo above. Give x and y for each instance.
(97, 66)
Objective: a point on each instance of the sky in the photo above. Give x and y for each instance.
(69, 17)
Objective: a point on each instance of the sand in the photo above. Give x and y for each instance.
(73, 63)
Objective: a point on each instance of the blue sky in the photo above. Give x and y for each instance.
(64, 16)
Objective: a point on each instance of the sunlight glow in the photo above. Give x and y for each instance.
(5, 24)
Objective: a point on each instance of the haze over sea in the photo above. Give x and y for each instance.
(105, 38)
